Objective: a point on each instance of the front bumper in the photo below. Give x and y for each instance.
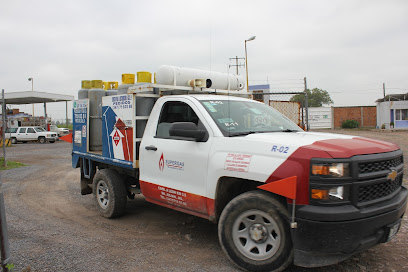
(52, 138)
(319, 242)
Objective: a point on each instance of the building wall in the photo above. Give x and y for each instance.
(366, 116)
(384, 113)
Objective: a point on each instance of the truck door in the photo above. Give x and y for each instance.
(174, 170)
(21, 134)
(31, 134)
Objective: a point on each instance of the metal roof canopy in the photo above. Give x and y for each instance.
(18, 98)
(31, 97)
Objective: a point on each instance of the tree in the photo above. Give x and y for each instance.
(315, 98)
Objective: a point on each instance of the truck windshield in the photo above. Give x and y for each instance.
(239, 118)
(39, 129)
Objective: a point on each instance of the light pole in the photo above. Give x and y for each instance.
(246, 59)
(32, 89)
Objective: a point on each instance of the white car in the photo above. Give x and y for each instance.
(60, 131)
(25, 134)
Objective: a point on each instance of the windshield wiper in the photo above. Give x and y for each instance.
(289, 130)
(234, 134)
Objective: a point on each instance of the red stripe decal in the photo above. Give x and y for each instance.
(178, 200)
(298, 164)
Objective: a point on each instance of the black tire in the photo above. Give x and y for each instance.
(41, 140)
(52, 142)
(254, 231)
(13, 140)
(109, 193)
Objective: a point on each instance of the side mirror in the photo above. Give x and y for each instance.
(187, 130)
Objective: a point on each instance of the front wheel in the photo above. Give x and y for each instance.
(109, 193)
(41, 140)
(254, 232)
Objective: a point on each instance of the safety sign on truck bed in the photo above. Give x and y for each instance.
(117, 130)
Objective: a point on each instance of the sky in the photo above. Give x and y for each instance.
(348, 48)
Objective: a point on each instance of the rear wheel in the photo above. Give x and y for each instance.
(109, 193)
(13, 140)
(254, 232)
(41, 140)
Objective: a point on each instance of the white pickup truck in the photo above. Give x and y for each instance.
(26, 134)
(279, 195)
(60, 131)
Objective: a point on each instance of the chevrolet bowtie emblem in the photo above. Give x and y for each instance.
(391, 176)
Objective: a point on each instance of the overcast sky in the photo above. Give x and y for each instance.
(349, 48)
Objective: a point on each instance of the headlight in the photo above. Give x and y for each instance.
(334, 193)
(331, 169)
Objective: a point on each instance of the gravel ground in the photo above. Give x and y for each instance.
(53, 228)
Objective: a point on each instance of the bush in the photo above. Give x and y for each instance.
(350, 124)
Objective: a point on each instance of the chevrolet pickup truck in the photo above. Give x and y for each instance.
(279, 195)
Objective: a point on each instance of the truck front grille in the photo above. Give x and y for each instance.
(379, 190)
(368, 167)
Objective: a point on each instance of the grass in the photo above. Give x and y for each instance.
(65, 126)
(10, 164)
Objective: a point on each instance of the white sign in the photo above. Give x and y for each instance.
(237, 162)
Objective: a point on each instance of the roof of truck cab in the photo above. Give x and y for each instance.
(202, 97)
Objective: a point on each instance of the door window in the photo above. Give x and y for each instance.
(30, 130)
(22, 130)
(176, 111)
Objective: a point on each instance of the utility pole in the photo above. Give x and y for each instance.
(4, 114)
(306, 107)
(237, 64)
(4, 243)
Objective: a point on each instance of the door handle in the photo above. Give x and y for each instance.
(151, 147)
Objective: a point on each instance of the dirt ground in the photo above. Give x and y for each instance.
(53, 228)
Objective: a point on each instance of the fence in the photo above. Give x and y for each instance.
(291, 109)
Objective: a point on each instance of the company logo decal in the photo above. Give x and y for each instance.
(161, 163)
(392, 176)
(177, 165)
(170, 164)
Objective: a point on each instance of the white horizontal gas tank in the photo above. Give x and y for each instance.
(180, 76)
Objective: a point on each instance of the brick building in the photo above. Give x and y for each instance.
(366, 116)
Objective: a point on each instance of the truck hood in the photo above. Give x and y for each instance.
(335, 145)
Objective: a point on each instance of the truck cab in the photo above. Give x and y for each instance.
(279, 195)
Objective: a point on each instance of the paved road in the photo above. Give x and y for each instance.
(53, 228)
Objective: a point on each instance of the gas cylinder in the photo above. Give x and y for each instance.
(112, 88)
(83, 92)
(95, 95)
(128, 80)
(180, 76)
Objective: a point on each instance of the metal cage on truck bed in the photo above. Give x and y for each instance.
(122, 120)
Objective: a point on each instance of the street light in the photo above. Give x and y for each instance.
(246, 59)
(32, 89)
